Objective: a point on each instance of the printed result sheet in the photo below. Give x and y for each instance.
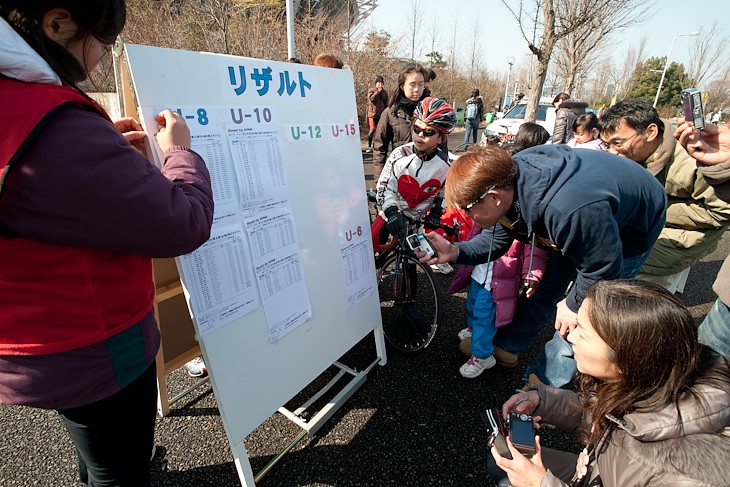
(213, 149)
(219, 277)
(259, 164)
(358, 265)
(279, 271)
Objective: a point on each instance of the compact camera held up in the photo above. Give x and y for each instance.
(692, 106)
(418, 241)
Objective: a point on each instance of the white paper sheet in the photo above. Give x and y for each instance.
(219, 276)
(358, 264)
(279, 271)
(258, 160)
(214, 150)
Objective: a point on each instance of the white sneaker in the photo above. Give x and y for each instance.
(475, 366)
(196, 367)
(464, 334)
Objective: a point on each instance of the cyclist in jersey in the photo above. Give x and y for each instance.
(412, 178)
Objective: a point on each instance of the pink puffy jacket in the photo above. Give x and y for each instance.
(507, 274)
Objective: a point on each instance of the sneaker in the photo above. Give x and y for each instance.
(505, 358)
(196, 367)
(475, 366)
(465, 333)
(465, 347)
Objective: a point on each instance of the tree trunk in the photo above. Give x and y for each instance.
(533, 101)
(542, 54)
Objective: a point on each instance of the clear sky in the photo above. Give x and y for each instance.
(499, 35)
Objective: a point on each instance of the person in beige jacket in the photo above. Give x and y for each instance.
(696, 216)
(652, 407)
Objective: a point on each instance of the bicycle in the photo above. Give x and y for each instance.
(410, 301)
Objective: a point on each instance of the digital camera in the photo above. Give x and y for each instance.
(418, 241)
(692, 106)
(492, 417)
(522, 433)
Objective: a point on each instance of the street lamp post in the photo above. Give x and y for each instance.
(666, 65)
(510, 61)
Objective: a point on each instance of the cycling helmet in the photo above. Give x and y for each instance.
(436, 113)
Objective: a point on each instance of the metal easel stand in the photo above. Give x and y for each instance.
(188, 390)
(311, 427)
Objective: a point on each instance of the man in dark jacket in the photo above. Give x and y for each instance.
(597, 214)
(377, 101)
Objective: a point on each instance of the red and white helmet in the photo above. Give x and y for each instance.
(436, 113)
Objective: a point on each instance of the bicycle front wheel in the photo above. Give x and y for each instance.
(409, 303)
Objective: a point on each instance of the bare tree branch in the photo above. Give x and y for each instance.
(578, 27)
(474, 47)
(414, 19)
(708, 53)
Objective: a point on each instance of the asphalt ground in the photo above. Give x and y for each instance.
(414, 422)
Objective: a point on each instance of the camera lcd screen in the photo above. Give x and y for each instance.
(412, 241)
(521, 432)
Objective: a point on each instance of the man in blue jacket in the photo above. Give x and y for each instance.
(596, 213)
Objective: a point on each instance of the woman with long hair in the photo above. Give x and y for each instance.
(81, 214)
(394, 127)
(653, 404)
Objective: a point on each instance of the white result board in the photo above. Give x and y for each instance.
(243, 114)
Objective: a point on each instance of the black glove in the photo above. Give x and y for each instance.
(396, 223)
(433, 219)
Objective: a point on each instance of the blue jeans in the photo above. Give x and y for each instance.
(471, 125)
(481, 312)
(715, 329)
(555, 365)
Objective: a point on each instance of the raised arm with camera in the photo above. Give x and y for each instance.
(711, 148)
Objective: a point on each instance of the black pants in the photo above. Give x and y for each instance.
(114, 436)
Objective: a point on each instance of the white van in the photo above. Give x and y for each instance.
(515, 117)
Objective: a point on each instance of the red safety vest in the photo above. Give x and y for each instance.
(55, 298)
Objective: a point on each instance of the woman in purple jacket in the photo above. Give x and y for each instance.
(81, 215)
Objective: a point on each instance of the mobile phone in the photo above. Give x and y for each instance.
(522, 433)
(692, 106)
(493, 420)
(418, 241)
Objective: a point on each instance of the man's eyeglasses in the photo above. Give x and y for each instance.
(424, 132)
(477, 201)
(619, 143)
